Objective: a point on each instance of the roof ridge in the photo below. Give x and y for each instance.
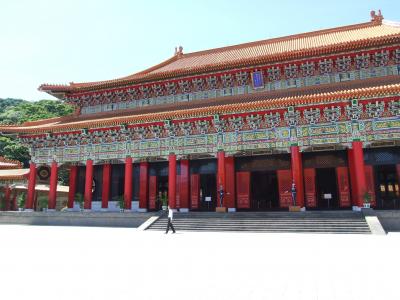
(287, 37)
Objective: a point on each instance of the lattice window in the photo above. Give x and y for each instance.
(343, 64)
(291, 71)
(274, 73)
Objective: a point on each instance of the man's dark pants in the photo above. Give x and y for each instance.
(170, 225)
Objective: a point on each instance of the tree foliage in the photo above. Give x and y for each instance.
(17, 111)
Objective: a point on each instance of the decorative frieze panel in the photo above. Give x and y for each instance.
(354, 111)
(375, 110)
(273, 119)
(332, 114)
(362, 61)
(292, 117)
(254, 121)
(343, 64)
(325, 66)
(311, 115)
(394, 107)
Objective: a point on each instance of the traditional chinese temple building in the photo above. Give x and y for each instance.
(320, 109)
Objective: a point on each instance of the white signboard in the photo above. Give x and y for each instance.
(327, 196)
(207, 199)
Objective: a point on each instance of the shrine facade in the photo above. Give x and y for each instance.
(319, 111)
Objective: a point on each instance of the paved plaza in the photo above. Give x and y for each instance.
(119, 263)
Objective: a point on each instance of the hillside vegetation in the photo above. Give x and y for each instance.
(18, 111)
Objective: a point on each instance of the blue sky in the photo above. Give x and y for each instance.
(56, 41)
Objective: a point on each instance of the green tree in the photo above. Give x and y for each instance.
(17, 111)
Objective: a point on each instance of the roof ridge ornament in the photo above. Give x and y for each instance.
(179, 51)
(376, 18)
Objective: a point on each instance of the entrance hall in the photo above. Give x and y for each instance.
(264, 190)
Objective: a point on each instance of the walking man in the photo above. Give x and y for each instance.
(170, 218)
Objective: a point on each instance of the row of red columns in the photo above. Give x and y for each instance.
(225, 170)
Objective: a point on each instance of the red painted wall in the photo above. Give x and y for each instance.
(144, 184)
(230, 195)
(152, 192)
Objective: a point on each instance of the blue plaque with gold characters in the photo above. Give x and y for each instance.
(258, 81)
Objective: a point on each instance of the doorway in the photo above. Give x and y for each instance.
(208, 192)
(264, 191)
(326, 187)
(387, 187)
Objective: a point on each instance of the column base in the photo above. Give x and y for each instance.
(142, 209)
(221, 209)
(128, 210)
(356, 208)
(104, 209)
(231, 209)
(184, 210)
(51, 210)
(87, 209)
(28, 210)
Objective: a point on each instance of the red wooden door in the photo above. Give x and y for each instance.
(309, 186)
(285, 184)
(152, 192)
(243, 189)
(194, 190)
(370, 183)
(342, 176)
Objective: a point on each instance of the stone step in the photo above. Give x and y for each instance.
(313, 222)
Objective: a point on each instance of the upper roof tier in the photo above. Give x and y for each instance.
(369, 34)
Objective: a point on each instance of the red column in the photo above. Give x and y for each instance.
(72, 186)
(144, 185)
(297, 174)
(128, 183)
(221, 171)
(88, 185)
(353, 184)
(105, 193)
(359, 172)
(229, 199)
(172, 180)
(7, 198)
(31, 186)
(53, 186)
(184, 190)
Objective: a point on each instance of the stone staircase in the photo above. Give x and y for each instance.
(299, 222)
